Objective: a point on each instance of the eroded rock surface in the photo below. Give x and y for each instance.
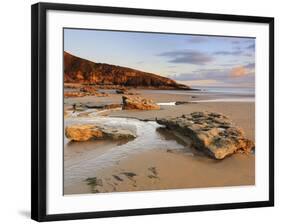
(84, 132)
(138, 103)
(212, 133)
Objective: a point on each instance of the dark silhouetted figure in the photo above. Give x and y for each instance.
(74, 108)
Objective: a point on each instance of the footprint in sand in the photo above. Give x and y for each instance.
(130, 176)
(117, 177)
(154, 173)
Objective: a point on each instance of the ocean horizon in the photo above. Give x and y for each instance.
(227, 89)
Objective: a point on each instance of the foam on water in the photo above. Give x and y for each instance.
(167, 104)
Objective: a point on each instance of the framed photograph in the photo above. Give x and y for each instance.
(139, 111)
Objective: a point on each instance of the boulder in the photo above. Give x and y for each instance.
(138, 103)
(84, 132)
(212, 133)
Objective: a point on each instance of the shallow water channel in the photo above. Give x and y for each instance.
(84, 159)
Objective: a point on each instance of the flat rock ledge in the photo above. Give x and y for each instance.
(212, 133)
(138, 103)
(85, 132)
(103, 106)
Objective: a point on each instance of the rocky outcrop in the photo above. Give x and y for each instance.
(74, 94)
(102, 106)
(84, 132)
(79, 70)
(138, 103)
(83, 93)
(213, 133)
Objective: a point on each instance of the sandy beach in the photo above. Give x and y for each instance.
(92, 168)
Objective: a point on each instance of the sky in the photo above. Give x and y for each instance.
(195, 60)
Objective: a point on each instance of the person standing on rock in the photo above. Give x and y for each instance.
(74, 108)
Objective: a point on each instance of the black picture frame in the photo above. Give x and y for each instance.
(38, 108)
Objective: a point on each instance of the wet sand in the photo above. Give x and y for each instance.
(159, 169)
(167, 170)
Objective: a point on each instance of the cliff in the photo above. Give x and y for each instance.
(79, 70)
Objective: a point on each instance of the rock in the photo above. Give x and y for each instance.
(132, 93)
(84, 132)
(120, 91)
(117, 134)
(72, 85)
(101, 94)
(88, 89)
(182, 102)
(124, 91)
(83, 92)
(102, 106)
(138, 103)
(213, 133)
(74, 94)
(112, 106)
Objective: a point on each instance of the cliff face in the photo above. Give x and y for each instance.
(79, 70)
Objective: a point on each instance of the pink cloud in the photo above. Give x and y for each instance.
(239, 71)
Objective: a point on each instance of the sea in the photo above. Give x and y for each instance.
(228, 90)
(217, 93)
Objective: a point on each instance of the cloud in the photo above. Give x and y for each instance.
(234, 63)
(242, 75)
(238, 48)
(187, 57)
(234, 53)
(197, 39)
(248, 54)
(251, 47)
(248, 51)
(202, 82)
(201, 74)
(235, 42)
(241, 40)
(250, 66)
(238, 71)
